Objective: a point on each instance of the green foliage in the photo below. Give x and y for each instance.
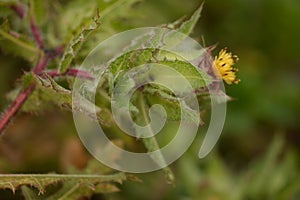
(154, 93)
(76, 42)
(74, 186)
(70, 186)
(79, 28)
(17, 44)
(243, 167)
(188, 26)
(139, 57)
(197, 78)
(47, 95)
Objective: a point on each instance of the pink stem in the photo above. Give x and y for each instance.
(36, 33)
(15, 106)
(23, 95)
(39, 67)
(72, 72)
(21, 98)
(41, 64)
(19, 9)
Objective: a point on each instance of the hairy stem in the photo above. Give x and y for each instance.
(151, 143)
(38, 69)
(14, 107)
(12, 110)
(36, 33)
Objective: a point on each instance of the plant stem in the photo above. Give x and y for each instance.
(72, 72)
(151, 143)
(12, 110)
(36, 33)
(21, 97)
(19, 9)
(38, 69)
(14, 107)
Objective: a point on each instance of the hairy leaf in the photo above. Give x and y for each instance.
(185, 27)
(188, 26)
(48, 94)
(40, 181)
(73, 15)
(76, 42)
(72, 189)
(196, 77)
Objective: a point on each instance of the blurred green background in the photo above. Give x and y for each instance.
(257, 156)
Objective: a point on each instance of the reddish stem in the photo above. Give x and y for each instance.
(21, 98)
(72, 72)
(19, 9)
(39, 67)
(41, 64)
(36, 33)
(15, 106)
(23, 95)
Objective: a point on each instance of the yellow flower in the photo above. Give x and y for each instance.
(223, 66)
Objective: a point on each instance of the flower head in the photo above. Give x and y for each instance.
(223, 66)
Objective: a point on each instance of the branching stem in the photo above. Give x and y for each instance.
(42, 62)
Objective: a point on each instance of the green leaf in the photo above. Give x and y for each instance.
(130, 60)
(174, 38)
(73, 15)
(188, 26)
(27, 80)
(110, 11)
(76, 42)
(47, 94)
(40, 181)
(73, 189)
(196, 77)
(17, 44)
(172, 107)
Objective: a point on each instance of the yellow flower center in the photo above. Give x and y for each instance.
(223, 66)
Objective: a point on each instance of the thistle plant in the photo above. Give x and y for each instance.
(56, 51)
